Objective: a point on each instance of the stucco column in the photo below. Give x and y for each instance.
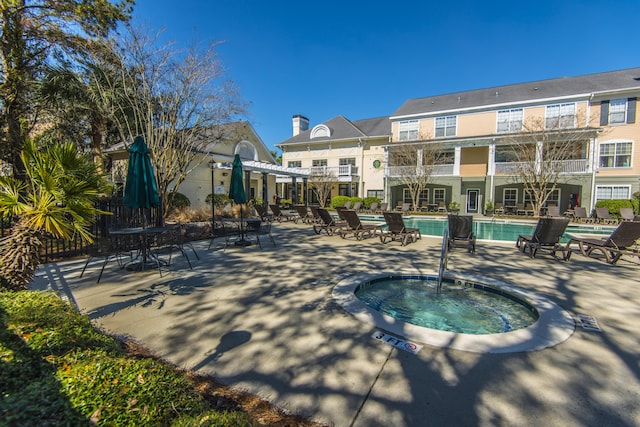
(456, 161)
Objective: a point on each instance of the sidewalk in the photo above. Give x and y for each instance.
(265, 321)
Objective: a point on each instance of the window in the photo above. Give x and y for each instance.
(438, 195)
(446, 126)
(406, 195)
(509, 120)
(510, 197)
(408, 130)
(376, 193)
(617, 111)
(505, 154)
(295, 164)
(561, 116)
(319, 162)
(554, 198)
(615, 155)
(613, 192)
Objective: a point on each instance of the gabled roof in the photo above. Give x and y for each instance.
(523, 93)
(343, 129)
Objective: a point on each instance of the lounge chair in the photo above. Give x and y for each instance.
(499, 209)
(315, 214)
(347, 205)
(357, 206)
(355, 226)
(279, 216)
(396, 229)
(304, 215)
(553, 211)
(442, 208)
(373, 208)
(461, 230)
(384, 207)
(329, 224)
(264, 214)
(520, 210)
(619, 242)
(626, 214)
(546, 236)
(405, 208)
(339, 210)
(580, 215)
(603, 217)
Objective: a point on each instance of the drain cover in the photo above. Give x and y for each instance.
(589, 323)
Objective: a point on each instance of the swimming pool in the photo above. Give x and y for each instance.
(503, 230)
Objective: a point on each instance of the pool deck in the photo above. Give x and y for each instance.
(265, 321)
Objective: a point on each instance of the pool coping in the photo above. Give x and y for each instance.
(554, 326)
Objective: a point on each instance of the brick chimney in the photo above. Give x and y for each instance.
(300, 124)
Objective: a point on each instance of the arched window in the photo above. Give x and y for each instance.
(320, 131)
(246, 151)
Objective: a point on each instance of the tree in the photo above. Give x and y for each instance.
(415, 163)
(539, 155)
(34, 33)
(178, 100)
(56, 200)
(321, 180)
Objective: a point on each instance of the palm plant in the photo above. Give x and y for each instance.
(56, 200)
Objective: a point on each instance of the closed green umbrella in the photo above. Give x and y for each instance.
(237, 193)
(141, 189)
(236, 187)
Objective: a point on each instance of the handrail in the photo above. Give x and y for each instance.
(444, 253)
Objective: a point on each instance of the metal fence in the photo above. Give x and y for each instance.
(116, 213)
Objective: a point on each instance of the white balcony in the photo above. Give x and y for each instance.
(566, 167)
(437, 170)
(337, 171)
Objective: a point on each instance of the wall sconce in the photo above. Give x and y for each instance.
(221, 182)
(225, 173)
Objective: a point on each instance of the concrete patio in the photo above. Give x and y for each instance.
(265, 321)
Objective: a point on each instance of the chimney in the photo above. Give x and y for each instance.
(300, 124)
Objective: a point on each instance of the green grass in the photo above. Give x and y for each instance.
(56, 369)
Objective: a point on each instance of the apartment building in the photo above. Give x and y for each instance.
(469, 143)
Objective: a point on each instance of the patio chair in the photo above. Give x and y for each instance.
(553, 211)
(626, 214)
(329, 224)
(499, 209)
(357, 206)
(580, 215)
(404, 208)
(461, 230)
(442, 207)
(619, 242)
(373, 208)
(304, 215)
(520, 210)
(546, 236)
(279, 216)
(384, 207)
(397, 230)
(108, 248)
(315, 215)
(347, 205)
(355, 226)
(175, 238)
(257, 229)
(603, 217)
(222, 230)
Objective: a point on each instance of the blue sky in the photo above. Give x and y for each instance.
(363, 59)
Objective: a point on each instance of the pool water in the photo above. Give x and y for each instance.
(475, 309)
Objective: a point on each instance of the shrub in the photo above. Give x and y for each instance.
(339, 201)
(219, 200)
(177, 201)
(368, 200)
(615, 205)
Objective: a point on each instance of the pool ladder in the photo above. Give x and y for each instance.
(444, 253)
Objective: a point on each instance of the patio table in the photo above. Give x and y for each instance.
(144, 237)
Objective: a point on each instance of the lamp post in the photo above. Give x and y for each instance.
(212, 166)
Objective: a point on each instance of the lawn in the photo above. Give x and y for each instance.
(56, 368)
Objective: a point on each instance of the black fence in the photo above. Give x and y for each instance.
(115, 214)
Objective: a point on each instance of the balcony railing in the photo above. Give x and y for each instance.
(437, 170)
(565, 167)
(343, 170)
